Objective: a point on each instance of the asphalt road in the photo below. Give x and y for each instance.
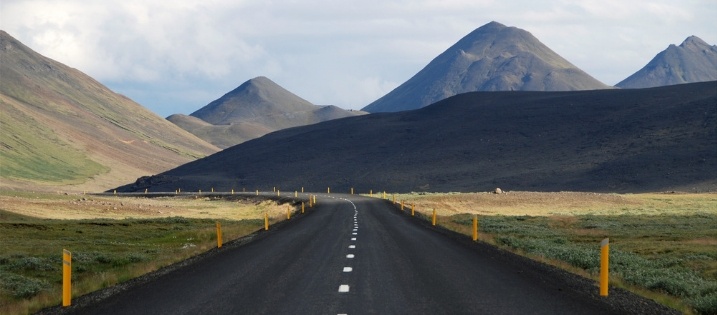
(355, 255)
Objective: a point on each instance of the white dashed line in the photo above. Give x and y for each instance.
(348, 269)
(353, 238)
(344, 288)
(350, 256)
(354, 233)
(352, 246)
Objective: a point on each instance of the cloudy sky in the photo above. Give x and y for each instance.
(177, 56)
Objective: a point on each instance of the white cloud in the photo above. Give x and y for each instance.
(184, 54)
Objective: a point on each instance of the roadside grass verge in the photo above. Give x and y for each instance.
(104, 251)
(662, 246)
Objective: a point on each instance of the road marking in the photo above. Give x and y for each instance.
(354, 233)
(350, 256)
(352, 246)
(348, 269)
(344, 288)
(353, 238)
(355, 230)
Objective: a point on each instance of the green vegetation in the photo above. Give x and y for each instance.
(104, 252)
(31, 151)
(672, 255)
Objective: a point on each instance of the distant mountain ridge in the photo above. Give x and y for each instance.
(61, 128)
(692, 61)
(614, 140)
(255, 108)
(493, 57)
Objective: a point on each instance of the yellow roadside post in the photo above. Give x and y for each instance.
(200, 191)
(604, 264)
(370, 193)
(274, 188)
(288, 213)
(434, 217)
(401, 205)
(179, 190)
(66, 277)
(413, 206)
(219, 235)
(384, 194)
(266, 221)
(302, 189)
(115, 191)
(232, 191)
(296, 194)
(302, 207)
(328, 190)
(257, 192)
(352, 190)
(212, 189)
(278, 193)
(145, 191)
(314, 199)
(475, 228)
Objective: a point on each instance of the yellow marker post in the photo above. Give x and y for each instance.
(274, 188)
(257, 192)
(66, 277)
(219, 235)
(145, 191)
(176, 192)
(296, 194)
(115, 191)
(352, 190)
(212, 189)
(266, 221)
(288, 213)
(604, 264)
(200, 191)
(314, 199)
(370, 193)
(179, 190)
(413, 208)
(278, 193)
(302, 207)
(302, 190)
(434, 217)
(394, 198)
(475, 228)
(328, 190)
(401, 205)
(232, 191)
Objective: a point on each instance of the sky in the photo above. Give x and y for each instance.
(178, 56)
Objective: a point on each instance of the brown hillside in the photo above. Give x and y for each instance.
(63, 129)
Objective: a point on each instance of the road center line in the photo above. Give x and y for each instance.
(348, 269)
(344, 288)
(352, 246)
(350, 256)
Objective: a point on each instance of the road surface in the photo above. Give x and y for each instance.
(357, 255)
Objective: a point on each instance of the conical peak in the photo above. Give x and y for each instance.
(693, 41)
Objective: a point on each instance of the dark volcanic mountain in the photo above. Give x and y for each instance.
(253, 109)
(61, 127)
(603, 140)
(692, 61)
(494, 57)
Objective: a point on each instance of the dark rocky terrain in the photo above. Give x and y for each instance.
(494, 57)
(253, 109)
(613, 140)
(692, 61)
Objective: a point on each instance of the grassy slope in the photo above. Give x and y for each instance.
(59, 125)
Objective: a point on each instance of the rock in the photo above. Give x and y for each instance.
(498, 191)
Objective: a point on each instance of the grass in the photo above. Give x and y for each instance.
(662, 246)
(106, 251)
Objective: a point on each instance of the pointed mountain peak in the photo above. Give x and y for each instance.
(694, 41)
(493, 57)
(692, 61)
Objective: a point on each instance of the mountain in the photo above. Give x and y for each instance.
(493, 57)
(614, 140)
(253, 109)
(692, 61)
(61, 128)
